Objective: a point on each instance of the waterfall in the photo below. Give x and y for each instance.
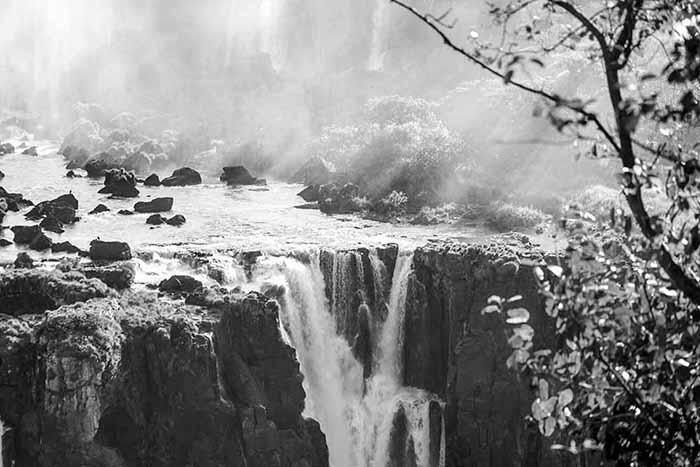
(364, 417)
(379, 24)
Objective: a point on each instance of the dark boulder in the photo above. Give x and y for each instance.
(125, 212)
(180, 284)
(2, 175)
(239, 175)
(41, 242)
(97, 165)
(120, 183)
(31, 151)
(6, 148)
(4, 242)
(24, 261)
(65, 247)
(309, 194)
(152, 180)
(99, 208)
(118, 276)
(155, 205)
(155, 219)
(177, 220)
(72, 174)
(110, 251)
(15, 201)
(52, 224)
(62, 208)
(24, 234)
(183, 177)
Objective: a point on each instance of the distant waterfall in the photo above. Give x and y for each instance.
(368, 422)
(377, 46)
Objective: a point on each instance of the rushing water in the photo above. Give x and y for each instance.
(357, 414)
(218, 216)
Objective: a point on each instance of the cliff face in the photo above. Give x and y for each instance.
(130, 382)
(453, 350)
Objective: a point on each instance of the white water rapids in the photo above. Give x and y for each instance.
(356, 414)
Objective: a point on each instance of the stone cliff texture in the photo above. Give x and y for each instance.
(138, 382)
(455, 351)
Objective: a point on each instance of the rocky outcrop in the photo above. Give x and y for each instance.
(183, 177)
(239, 175)
(453, 350)
(155, 205)
(120, 183)
(109, 251)
(152, 180)
(133, 382)
(64, 209)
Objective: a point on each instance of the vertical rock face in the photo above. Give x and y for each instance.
(113, 383)
(453, 350)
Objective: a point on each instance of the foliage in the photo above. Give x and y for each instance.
(622, 374)
(398, 144)
(392, 204)
(508, 217)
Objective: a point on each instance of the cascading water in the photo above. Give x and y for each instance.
(369, 420)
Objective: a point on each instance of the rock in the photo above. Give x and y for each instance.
(52, 224)
(15, 201)
(97, 165)
(125, 212)
(120, 183)
(65, 247)
(24, 261)
(2, 175)
(155, 219)
(307, 206)
(239, 175)
(6, 148)
(314, 172)
(309, 194)
(4, 242)
(62, 208)
(334, 199)
(24, 234)
(177, 220)
(99, 208)
(72, 174)
(41, 242)
(155, 205)
(179, 284)
(110, 251)
(182, 177)
(152, 180)
(118, 276)
(31, 151)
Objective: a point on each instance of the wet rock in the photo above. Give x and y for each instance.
(99, 208)
(118, 276)
(62, 208)
(41, 243)
(15, 201)
(4, 242)
(6, 148)
(309, 194)
(24, 261)
(152, 180)
(2, 175)
(72, 174)
(155, 205)
(97, 165)
(239, 175)
(24, 234)
(65, 247)
(362, 346)
(156, 219)
(110, 251)
(177, 220)
(125, 212)
(183, 177)
(314, 172)
(309, 206)
(31, 151)
(401, 445)
(120, 183)
(52, 224)
(335, 199)
(179, 284)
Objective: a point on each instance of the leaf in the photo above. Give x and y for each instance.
(490, 309)
(549, 425)
(544, 389)
(565, 398)
(518, 316)
(495, 300)
(556, 270)
(514, 298)
(525, 332)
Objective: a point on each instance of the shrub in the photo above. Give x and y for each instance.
(392, 204)
(505, 217)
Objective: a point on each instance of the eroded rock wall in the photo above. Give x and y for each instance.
(124, 382)
(454, 350)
